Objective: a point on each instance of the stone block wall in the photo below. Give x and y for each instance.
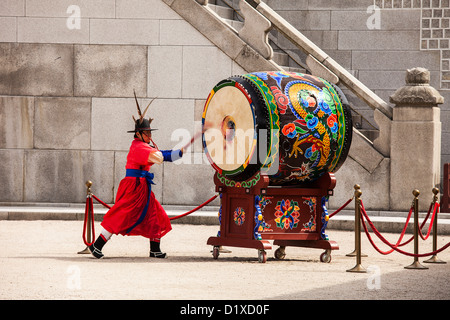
(66, 97)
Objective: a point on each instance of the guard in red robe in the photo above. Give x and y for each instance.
(136, 211)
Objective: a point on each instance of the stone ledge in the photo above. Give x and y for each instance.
(384, 221)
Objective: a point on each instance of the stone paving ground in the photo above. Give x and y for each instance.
(39, 260)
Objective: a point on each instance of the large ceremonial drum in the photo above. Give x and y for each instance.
(290, 126)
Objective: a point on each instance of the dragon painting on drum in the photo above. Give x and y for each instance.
(294, 126)
(275, 140)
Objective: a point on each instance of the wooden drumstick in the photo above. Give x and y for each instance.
(206, 126)
(192, 140)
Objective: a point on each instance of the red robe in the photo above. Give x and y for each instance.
(131, 199)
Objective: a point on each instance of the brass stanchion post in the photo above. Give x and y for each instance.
(416, 264)
(434, 258)
(357, 222)
(89, 217)
(358, 267)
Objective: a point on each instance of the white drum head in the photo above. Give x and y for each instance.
(230, 139)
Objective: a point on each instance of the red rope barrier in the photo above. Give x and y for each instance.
(421, 226)
(211, 199)
(364, 215)
(171, 218)
(436, 206)
(193, 210)
(399, 239)
(88, 208)
(338, 210)
(101, 202)
(406, 225)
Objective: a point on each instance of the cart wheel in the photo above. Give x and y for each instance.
(262, 256)
(326, 256)
(215, 253)
(280, 253)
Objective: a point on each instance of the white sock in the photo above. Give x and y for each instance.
(106, 234)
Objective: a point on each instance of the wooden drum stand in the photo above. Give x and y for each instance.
(253, 212)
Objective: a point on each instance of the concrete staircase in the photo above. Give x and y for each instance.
(229, 11)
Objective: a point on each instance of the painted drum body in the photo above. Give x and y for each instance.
(293, 127)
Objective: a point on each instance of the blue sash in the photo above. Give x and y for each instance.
(149, 177)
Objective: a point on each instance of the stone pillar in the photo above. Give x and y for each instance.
(415, 141)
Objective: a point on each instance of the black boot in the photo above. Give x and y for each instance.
(96, 247)
(155, 250)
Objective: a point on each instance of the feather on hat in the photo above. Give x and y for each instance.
(142, 124)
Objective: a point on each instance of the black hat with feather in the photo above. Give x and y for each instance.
(142, 124)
